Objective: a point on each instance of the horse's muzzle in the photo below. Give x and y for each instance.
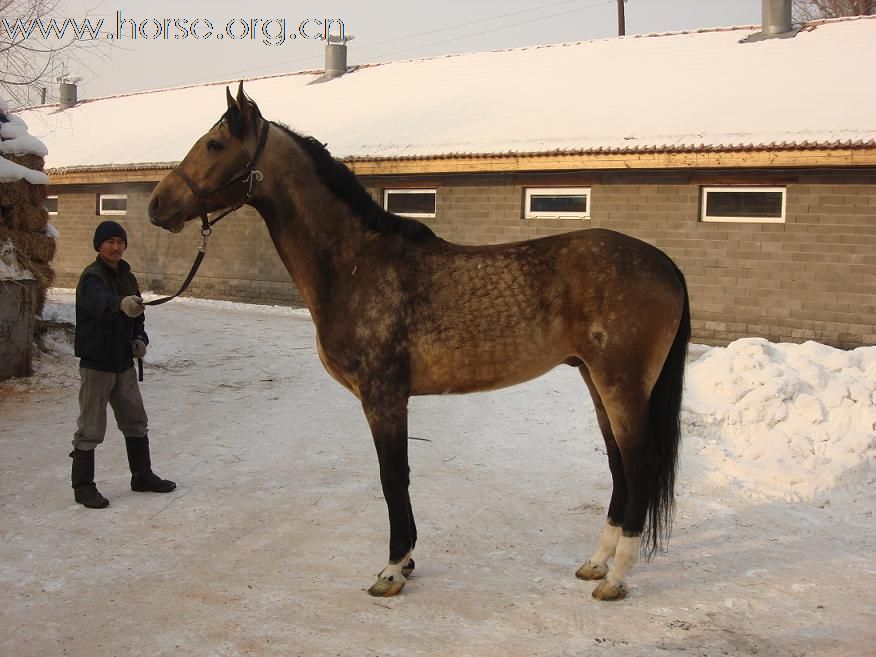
(170, 223)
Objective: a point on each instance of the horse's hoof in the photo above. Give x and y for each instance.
(408, 568)
(592, 570)
(608, 591)
(388, 587)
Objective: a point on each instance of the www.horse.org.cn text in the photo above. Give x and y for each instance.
(269, 31)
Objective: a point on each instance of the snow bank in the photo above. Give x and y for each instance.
(782, 421)
(15, 140)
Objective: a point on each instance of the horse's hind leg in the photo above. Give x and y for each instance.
(627, 412)
(389, 427)
(596, 566)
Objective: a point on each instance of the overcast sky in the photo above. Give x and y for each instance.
(178, 48)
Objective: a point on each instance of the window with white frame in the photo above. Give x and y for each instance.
(112, 204)
(51, 205)
(410, 202)
(743, 204)
(557, 203)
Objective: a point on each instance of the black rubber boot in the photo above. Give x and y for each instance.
(143, 480)
(84, 490)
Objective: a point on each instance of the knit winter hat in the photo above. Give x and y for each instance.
(107, 229)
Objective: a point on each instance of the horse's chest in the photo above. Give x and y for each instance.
(335, 366)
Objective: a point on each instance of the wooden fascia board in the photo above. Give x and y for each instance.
(621, 161)
(755, 159)
(103, 176)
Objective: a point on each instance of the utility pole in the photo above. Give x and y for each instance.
(621, 21)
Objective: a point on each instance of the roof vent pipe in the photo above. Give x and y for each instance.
(336, 55)
(776, 16)
(67, 91)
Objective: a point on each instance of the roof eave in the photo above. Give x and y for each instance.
(849, 154)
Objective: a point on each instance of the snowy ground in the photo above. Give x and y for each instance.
(278, 524)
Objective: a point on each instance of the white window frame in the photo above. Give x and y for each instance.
(421, 215)
(53, 213)
(528, 213)
(745, 220)
(102, 211)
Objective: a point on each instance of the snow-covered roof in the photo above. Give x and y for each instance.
(702, 90)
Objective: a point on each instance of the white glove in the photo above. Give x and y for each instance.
(138, 347)
(132, 306)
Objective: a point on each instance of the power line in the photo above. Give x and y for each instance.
(470, 23)
(497, 29)
(443, 29)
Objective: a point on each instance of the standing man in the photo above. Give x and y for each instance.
(110, 333)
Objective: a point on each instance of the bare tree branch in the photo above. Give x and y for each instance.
(808, 10)
(28, 60)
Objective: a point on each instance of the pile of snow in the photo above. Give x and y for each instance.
(782, 421)
(15, 140)
(10, 268)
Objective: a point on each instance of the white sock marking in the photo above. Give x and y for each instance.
(607, 545)
(393, 571)
(625, 557)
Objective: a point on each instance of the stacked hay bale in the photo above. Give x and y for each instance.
(24, 221)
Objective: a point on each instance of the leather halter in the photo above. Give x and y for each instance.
(248, 174)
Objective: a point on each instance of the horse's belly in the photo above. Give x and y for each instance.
(465, 372)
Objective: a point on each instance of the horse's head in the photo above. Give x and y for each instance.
(218, 170)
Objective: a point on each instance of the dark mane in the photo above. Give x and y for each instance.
(344, 184)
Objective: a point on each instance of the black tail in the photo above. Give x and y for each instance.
(665, 409)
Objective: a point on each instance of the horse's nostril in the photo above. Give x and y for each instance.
(153, 207)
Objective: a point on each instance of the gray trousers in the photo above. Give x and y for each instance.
(121, 392)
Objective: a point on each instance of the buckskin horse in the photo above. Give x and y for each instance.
(399, 312)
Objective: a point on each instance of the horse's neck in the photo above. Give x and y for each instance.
(315, 234)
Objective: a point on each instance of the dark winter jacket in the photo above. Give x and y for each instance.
(103, 332)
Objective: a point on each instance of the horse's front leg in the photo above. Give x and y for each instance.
(389, 427)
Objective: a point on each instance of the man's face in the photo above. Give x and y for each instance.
(111, 250)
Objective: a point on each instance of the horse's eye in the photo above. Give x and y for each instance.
(214, 145)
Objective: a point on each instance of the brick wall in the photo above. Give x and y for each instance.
(813, 277)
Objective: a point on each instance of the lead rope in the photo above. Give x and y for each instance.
(206, 230)
(252, 177)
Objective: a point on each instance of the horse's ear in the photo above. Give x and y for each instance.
(249, 111)
(231, 102)
(243, 102)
